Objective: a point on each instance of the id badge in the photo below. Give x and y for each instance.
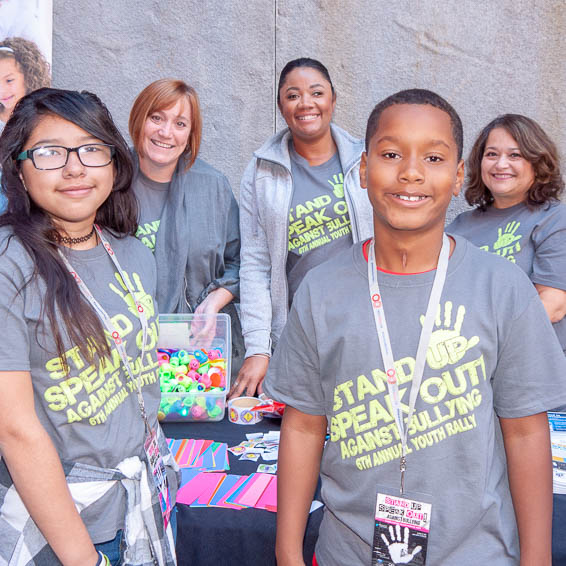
(159, 476)
(401, 530)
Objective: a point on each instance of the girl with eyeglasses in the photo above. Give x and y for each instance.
(79, 392)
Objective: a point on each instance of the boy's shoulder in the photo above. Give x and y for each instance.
(338, 269)
(480, 273)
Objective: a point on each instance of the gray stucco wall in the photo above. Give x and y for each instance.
(485, 56)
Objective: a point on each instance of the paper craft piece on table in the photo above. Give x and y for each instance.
(187, 453)
(203, 483)
(252, 435)
(187, 475)
(255, 491)
(267, 469)
(198, 457)
(251, 456)
(194, 454)
(176, 447)
(223, 489)
(237, 450)
(210, 491)
(207, 459)
(222, 502)
(221, 457)
(206, 454)
(270, 456)
(268, 499)
(234, 496)
(272, 435)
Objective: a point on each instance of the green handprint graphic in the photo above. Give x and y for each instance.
(446, 345)
(507, 237)
(337, 183)
(144, 298)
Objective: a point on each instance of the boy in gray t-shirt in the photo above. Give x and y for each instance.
(478, 443)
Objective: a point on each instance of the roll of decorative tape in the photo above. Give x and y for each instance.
(239, 410)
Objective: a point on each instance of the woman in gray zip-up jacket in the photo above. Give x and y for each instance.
(300, 202)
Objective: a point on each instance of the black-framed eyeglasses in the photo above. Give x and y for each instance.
(56, 156)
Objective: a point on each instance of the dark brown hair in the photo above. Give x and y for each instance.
(30, 60)
(33, 227)
(535, 146)
(160, 95)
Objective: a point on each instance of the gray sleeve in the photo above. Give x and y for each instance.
(255, 273)
(228, 245)
(549, 265)
(530, 376)
(230, 280)
(294, 376)
(15, 345)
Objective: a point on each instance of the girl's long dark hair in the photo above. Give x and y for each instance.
(33, 227)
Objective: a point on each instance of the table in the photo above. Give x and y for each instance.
(224, 537)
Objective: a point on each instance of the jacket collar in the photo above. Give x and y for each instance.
(276, 148)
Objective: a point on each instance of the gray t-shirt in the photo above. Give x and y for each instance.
(492, 354)
(319, 222)
(151, 198)
(92, 413)
(534, 239)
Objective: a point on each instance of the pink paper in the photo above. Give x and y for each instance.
(195, 451)
(252, 494)
(211, 489)
(268, 500)
(185, 456)
(180, 449)
(197, 487)
(205, 446)
(222, 502)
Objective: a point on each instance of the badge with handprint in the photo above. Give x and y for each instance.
(401, 530)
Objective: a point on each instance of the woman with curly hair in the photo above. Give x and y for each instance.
(514, 182)
(23, 69)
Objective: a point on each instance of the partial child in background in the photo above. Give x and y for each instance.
(433, 324)
(23, 69)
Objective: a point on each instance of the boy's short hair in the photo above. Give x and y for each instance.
(417, 96)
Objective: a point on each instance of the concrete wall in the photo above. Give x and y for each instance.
(485, 56)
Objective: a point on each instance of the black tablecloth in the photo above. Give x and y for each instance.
(226, 537)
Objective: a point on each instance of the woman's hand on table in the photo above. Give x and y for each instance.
(250, 378)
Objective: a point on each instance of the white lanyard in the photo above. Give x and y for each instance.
(385, 342)
(107, 321)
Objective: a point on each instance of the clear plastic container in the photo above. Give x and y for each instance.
(206, 339)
